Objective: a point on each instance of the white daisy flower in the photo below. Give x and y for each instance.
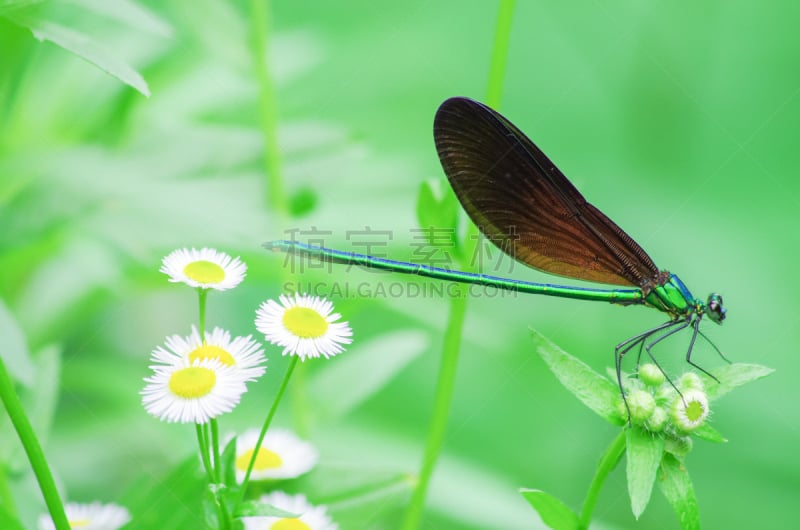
(690, 411)
(282, 455)
(94, 516)
(310, 517)
(303, 325)
(243, 353)
(192, 392)
(206, 268)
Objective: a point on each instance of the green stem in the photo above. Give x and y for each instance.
(202, 442)
(458, 306)
(267, 106)
(34, 451)
(268, 420)
(441, 409)
(224, 516)
(497, 67)
(202, 296)
(606, 465)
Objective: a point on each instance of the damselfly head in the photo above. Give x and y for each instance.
(716, 311)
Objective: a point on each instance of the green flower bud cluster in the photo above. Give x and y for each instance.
(655, 405)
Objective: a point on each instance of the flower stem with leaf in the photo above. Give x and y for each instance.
(655, 436)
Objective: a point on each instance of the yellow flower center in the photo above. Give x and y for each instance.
(304, 323)
(694, 411)
(289, 523)
(192, 382)
(79, 523)
(204, 272)
(265, 459)
(207, 351)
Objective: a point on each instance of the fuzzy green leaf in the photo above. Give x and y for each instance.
(734, 375)
(644, 452)
(82, 45)
(677, 487)
(594, 390)
(552, 511)
(709, 434)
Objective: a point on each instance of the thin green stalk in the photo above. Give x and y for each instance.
(202, 442)
(224, 517)
(606, 465)
(202, 295)
(497, 67)
(34, 451)
(267, 106)
(441, 410)
(268, 420)
(458, 306)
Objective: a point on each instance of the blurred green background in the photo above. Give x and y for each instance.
(677, 119)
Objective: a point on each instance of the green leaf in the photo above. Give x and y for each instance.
(733, 375)
(228, 459)
(594, 390)
(256, 508)
(82, 45)
(436, 204)
(437, 214)
(211, 504)
(14, 348)
(350, 381)
(677, 487)
(552, 511)
(644, 453)
(709, 433)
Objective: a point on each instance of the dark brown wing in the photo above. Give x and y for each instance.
(525, 205)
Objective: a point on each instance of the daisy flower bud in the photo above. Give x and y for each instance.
(690, 411)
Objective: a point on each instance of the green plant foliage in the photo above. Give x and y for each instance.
(648, 450)
(677, 487)
(643, 456)
(554, 513)
(594, 390)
